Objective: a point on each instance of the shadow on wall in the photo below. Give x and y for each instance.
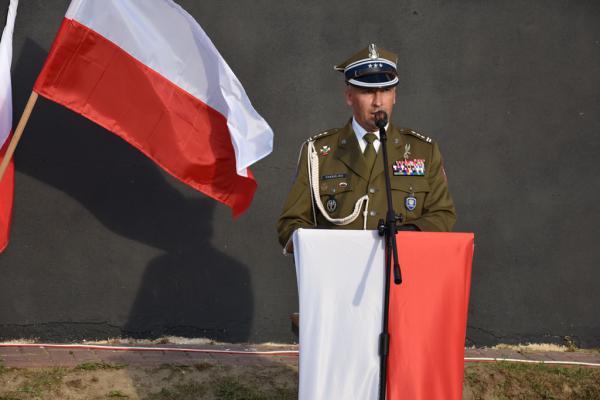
(192, 289)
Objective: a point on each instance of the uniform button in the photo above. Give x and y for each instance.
(373, 213)
(372, 190)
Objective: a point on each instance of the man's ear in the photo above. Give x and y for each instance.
(349, 95)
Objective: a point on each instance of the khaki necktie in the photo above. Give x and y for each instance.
(370, 153)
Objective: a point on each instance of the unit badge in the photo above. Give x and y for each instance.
(414, 167)
(410, 202)
(325, 150)
(331, 204)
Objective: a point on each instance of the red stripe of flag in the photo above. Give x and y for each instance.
(6, 198)
(97, 79)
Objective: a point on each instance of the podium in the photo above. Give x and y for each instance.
(341, 290)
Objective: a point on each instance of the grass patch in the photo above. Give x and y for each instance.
(116, 394)
(506, 380)
(42, 381)
(181, 391)
(95, 366)
(3, 369)
(175, 367)
(203, 366)
(229, 388)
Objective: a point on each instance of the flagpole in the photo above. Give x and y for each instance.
(17, 136)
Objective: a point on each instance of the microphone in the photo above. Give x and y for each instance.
(381, 119)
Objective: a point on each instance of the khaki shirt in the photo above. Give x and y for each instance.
(344, 178)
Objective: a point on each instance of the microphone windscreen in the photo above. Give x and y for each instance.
(381, 119)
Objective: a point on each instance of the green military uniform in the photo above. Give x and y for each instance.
(421, 199)
(326, 197)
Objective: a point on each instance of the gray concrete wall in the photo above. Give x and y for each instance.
(106, 244)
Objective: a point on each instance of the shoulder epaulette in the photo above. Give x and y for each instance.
(322, 134)
(417, 134)
(311, 139)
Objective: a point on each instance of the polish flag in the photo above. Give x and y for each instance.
(146, 71)
(7, 182)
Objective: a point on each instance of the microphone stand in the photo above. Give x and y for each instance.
(387, 229)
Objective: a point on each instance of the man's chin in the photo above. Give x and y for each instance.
(371, 126)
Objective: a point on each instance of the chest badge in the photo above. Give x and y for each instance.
(410, 202)
(414, 167)
(325, 150)
(406, 151)
(331, 204)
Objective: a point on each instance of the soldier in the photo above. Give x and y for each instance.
(340, 178)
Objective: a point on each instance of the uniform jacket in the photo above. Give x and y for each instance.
(344, 178)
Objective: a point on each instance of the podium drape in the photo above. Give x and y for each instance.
(428, 316)
(340, 284)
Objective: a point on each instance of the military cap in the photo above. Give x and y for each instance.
(371, 67)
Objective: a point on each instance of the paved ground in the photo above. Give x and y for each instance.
(30, 356)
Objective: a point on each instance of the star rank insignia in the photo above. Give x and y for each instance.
(414, 167)
(325, 150)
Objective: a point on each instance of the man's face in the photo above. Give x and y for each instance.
(365, 102)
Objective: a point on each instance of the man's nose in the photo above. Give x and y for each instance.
(377, 98)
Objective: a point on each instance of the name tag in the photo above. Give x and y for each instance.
(333, 176)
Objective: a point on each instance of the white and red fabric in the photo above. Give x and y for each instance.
(340, 285)
(6, 111)
(146, 71)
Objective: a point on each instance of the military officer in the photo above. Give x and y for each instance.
(340, 180)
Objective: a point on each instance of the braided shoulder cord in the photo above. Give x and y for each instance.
(313, 178)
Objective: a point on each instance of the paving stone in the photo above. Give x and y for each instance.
(536, 356)
(62, 357)
(202, 357)
(10, 351)
(28, 357)
(475, 353)
(15, 356)
(26, 363)
(33, 351)
(152, 355)
(40, 361)
(574, 356)
(501, 353)
(85, 355)
(179, 357)
(119, 357)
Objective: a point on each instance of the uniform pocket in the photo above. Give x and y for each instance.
(337, 197)
(408, 195)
